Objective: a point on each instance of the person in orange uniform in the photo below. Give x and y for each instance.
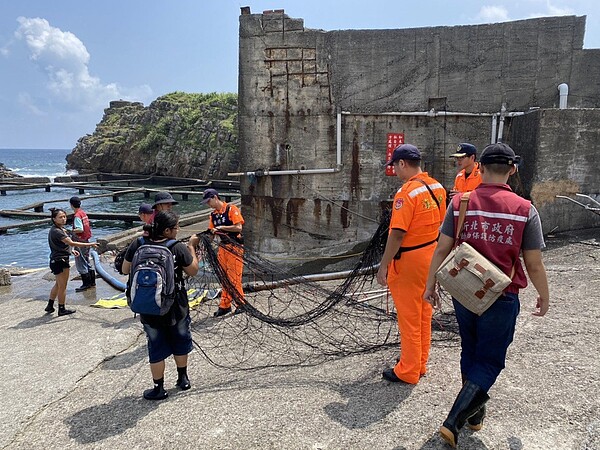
(226, 221)
(418, 210)
(469, 176)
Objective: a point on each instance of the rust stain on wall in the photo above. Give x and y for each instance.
(328, 213)
(275, 205)
(345, 218)
(317, 209)
(291, 212)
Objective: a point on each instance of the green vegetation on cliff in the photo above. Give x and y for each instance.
(178, 134)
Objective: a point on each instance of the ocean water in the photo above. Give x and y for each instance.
(29, 247)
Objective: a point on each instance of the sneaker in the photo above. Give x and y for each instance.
(183, 383)
(222, 311)
(157, 393)
(65, 312)
(49, 309)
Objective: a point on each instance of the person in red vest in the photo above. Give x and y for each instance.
(226, 221)
(501, 226)
(82, 232)
(418, 209)
(469, 174)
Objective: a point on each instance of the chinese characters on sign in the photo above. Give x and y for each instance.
(393, 141)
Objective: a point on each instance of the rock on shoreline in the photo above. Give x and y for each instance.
(7, 173)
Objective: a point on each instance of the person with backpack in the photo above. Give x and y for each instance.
(156, 290)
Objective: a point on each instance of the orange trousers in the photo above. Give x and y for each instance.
(406, 279)
(231, 259)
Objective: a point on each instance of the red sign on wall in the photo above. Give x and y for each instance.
(393, 141)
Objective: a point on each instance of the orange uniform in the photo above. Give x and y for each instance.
(415, 212)
(462, 183)
(230, 257)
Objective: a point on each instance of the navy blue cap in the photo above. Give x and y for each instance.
(208, 194)
(499, 153)
(145, 208)
(404, 151)
(464, 149)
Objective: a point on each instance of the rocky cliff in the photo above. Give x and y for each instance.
(179, 134)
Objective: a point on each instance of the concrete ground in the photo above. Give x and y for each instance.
(76, 381)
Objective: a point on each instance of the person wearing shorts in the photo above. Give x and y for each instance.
(60, 250)
(169, 334)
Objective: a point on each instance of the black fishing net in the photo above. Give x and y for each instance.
(286, 319)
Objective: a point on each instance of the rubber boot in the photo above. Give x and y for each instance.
(85, 278)
(92, 278)
(470, 399)
(475, 422)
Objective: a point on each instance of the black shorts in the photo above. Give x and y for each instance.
(57, 265)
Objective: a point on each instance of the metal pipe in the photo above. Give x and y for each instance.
(256, 287)
(563, 90)
(494, 123)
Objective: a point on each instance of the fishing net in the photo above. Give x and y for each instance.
(287, 319)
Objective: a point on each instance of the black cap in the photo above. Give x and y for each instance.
(75, 201)
(499, 153)
(464, 149)
(163, 197)
(404, 151)
(208, 194)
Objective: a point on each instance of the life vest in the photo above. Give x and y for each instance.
(223, 219)
(494, 226)
(87, 231)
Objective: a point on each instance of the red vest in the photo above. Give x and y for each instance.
(87, 231)
(494, 226)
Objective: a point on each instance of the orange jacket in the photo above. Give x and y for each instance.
(415, 211)
(467, 184)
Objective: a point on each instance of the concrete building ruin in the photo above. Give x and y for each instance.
(316, 108)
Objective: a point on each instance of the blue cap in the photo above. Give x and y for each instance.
(464, 149)
(145, 208)
(404, 151)
(208, 194)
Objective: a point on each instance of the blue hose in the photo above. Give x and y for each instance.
(117, 284)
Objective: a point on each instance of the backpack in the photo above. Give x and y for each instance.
(152, 286)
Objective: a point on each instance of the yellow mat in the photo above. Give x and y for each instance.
(120, 301)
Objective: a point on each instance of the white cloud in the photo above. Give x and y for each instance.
(553, 10)
(24, 99)
(64, 59)
(493, 14)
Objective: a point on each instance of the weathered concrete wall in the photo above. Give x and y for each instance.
(293, 81)
(560, 157)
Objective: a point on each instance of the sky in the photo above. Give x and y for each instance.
(63, 61)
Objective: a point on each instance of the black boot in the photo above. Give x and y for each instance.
(222, 311)
(85, 278)
(158, 392)
(62, 311)
(475, 422)
(92, 278)
(469, 400)
(50, 306)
